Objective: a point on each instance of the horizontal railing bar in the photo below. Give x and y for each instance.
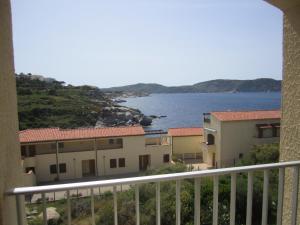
(148, 179)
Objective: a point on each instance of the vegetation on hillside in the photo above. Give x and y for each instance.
(53, 104)
(45, 102)
(126, 202)
(220, 85)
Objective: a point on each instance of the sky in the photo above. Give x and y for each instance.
(109, 43)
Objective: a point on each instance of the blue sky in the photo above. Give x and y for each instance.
(173, 42)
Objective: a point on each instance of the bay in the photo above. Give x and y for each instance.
(186, 110)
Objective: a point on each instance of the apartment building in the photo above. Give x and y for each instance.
(61, 154)
(187, 142)
(229, 135)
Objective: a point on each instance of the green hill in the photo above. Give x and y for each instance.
(220, 85)
(50, 103)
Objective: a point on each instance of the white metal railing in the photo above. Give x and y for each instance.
(20, 192)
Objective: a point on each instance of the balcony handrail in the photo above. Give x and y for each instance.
(147, 179)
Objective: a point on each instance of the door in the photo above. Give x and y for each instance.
(88, 168)
(144, 162)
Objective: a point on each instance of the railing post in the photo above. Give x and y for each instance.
(115, 206)
(216, 200)
(158, 219)
(137, 204)
(20, 210)
(197, 201)
(69, 208)
(249, 198)
(295, 195)
(45, 222)
(93, 207)
(264, 219)
(232, 198)
(280, 195)
(178, 206)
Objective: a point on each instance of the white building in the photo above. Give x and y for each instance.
(61, 154)
(229, 135)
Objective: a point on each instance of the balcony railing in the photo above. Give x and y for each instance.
(20, 192)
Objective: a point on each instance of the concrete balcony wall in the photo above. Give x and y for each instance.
(10, 157)
(290, 120)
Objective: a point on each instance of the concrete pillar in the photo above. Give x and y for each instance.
(10, 157)
(290, 122)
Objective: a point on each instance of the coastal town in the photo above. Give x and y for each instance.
(54, 154)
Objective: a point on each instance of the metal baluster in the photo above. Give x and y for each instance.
(20, 210)
(178, 182)
(93, 206)
(249, 198)
(295, 195)
(216, 200)
(44, 209)
(232, 199)
(158, 219)
(280, 195)
(137, 204)
(69, 208)
(197, 201)
(264, 219)
(115, 206)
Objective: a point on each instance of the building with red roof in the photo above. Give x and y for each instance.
(186, 142)
(229, 135)
(62, 154)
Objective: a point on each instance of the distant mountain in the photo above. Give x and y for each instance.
(220, 85)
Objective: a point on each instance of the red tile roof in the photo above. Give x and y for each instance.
(185, 131)
(56, 134)
(249, 115)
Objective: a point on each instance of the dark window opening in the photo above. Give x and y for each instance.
(121, 162)
(62, 168)
(119, 141)
(210, 139)
(241, 155)
(61, 145)
(166, 158)
(113, 163)
(111, 141)
(28, 169)
(31, 151)
(53, 169)
(23, 150)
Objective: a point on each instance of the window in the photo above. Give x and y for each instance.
(23, 150)
(53, 169)
(119, 141)
(53, 146)
(210, 139)
(241, 155)
(121, 162)
(113, 163)
(62, 168)
(61, 145)
(28, 169)
(31, 152)
(166, 158)
(111, 141)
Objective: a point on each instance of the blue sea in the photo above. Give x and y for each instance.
(186, 110)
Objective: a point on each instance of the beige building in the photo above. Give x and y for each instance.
(229, 135)
(58, 154)
(186, 142)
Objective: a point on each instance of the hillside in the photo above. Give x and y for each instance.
(45, 102)
(257, 85)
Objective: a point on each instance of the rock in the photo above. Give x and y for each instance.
(52, 215)
(146, 121)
